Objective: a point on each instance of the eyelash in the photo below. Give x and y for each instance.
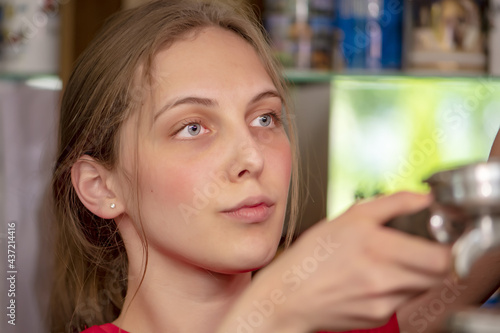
(276, 118)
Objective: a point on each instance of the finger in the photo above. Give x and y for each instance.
(382, 209)
(412, 252)
(391, 279)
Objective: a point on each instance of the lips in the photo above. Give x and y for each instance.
(251, 210)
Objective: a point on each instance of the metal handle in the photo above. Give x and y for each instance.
(430, 223)
(413, 224)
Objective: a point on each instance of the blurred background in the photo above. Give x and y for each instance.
(386, 92)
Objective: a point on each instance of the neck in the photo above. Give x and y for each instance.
(177, 297)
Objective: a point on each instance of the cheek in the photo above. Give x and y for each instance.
(280, 157)
(169, 185)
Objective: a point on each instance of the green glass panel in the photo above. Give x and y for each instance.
(389, 133)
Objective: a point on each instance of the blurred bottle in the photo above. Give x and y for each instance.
(30, 43)
(322, 23)
(301, 32)
(1, 25)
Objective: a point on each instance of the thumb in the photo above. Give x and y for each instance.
(384, 208)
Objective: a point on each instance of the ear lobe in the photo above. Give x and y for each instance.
(90, 181)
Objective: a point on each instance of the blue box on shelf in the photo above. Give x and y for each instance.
(370, 34)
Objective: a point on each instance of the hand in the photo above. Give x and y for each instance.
(350, 273)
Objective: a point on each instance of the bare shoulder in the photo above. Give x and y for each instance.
(106, 328)
(495, 148)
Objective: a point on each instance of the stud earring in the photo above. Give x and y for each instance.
(112, 205)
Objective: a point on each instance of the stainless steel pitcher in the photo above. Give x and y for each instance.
(465, 212)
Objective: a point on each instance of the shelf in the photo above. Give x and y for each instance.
(40, 81)
(302, 77)
(24, 76)
(316, 76)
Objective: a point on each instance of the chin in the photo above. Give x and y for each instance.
(250, 258)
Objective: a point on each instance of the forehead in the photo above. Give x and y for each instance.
(212, 60)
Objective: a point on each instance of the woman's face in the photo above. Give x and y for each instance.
(214, 162)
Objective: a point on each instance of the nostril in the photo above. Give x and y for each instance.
(242, 173)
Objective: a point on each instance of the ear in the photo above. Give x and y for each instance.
(93, 184)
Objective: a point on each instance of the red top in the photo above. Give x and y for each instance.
(391, 327)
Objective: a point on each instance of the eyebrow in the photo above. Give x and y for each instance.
(213, 103)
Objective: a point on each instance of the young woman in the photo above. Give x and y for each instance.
(175, 164)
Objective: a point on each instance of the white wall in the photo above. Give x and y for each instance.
(27, 145)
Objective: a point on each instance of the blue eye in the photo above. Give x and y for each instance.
(265, 120)
(191, 130)
(194, 129)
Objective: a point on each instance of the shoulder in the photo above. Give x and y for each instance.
(106, 328)
(391, 327)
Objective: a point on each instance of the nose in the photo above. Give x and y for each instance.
(247, 157)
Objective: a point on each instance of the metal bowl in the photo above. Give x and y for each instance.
(470, 190)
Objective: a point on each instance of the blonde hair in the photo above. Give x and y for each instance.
(91, 262)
